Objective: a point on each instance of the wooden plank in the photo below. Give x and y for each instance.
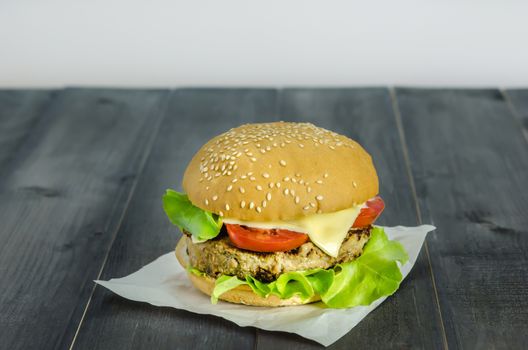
(193, 117)
(61, 198)
(409, 319)
(518, 101)
(470, 165)
(20, 110)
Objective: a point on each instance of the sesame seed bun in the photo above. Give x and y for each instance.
(279, 171)
(240, 295)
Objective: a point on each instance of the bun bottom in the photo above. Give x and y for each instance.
(240, 295)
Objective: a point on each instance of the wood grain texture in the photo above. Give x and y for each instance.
(193, 117)
(469, 161)
(410, 318)
(518, 101)
(63, 189)
(20, 110)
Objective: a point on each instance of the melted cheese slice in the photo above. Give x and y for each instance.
(327, 231)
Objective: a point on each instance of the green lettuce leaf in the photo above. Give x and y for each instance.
(223, 284)
(202, 224)
(260, 288)
(360, 282)
(195, 272)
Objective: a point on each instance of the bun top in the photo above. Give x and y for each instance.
(279, 171)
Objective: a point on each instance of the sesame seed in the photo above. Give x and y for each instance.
(306, 207)
(294, 180)
(265, 175)
(253, 159)
(282, 162)
(234, 180)
(301, 145)
(308, 189)
(292, 192)
(297, 199)
(258, 209)
(301, 181)
(227, 207)
(354, 184)
(268, 196)
(325, 175)
(251, 205)
(242, 204)
(286, 191)
(278, 184)
(263, 151)
(207, 188)
(206, 201)
(271, 184)
(264, 203)
(229, 188)
(243, 177)
(252, 178)
(312, 204)
(259, 187)
(319, 182)
(250, 173)
(215, 197)
(268, 148)
(229, 173)
(241, 189)
(319, 198)
(286, 179)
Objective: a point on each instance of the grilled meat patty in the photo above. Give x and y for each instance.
(219, 257)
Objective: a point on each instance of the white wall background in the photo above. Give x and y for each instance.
(266, 43)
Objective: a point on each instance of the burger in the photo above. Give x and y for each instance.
(278, 214)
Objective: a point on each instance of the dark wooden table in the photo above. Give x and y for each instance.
(82, 172)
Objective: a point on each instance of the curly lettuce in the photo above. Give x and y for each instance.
(201, 224)
(373, 275)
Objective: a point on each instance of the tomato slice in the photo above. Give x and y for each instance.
(264, 240)
(368, 215)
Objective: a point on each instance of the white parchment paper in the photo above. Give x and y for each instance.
(163, 282)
